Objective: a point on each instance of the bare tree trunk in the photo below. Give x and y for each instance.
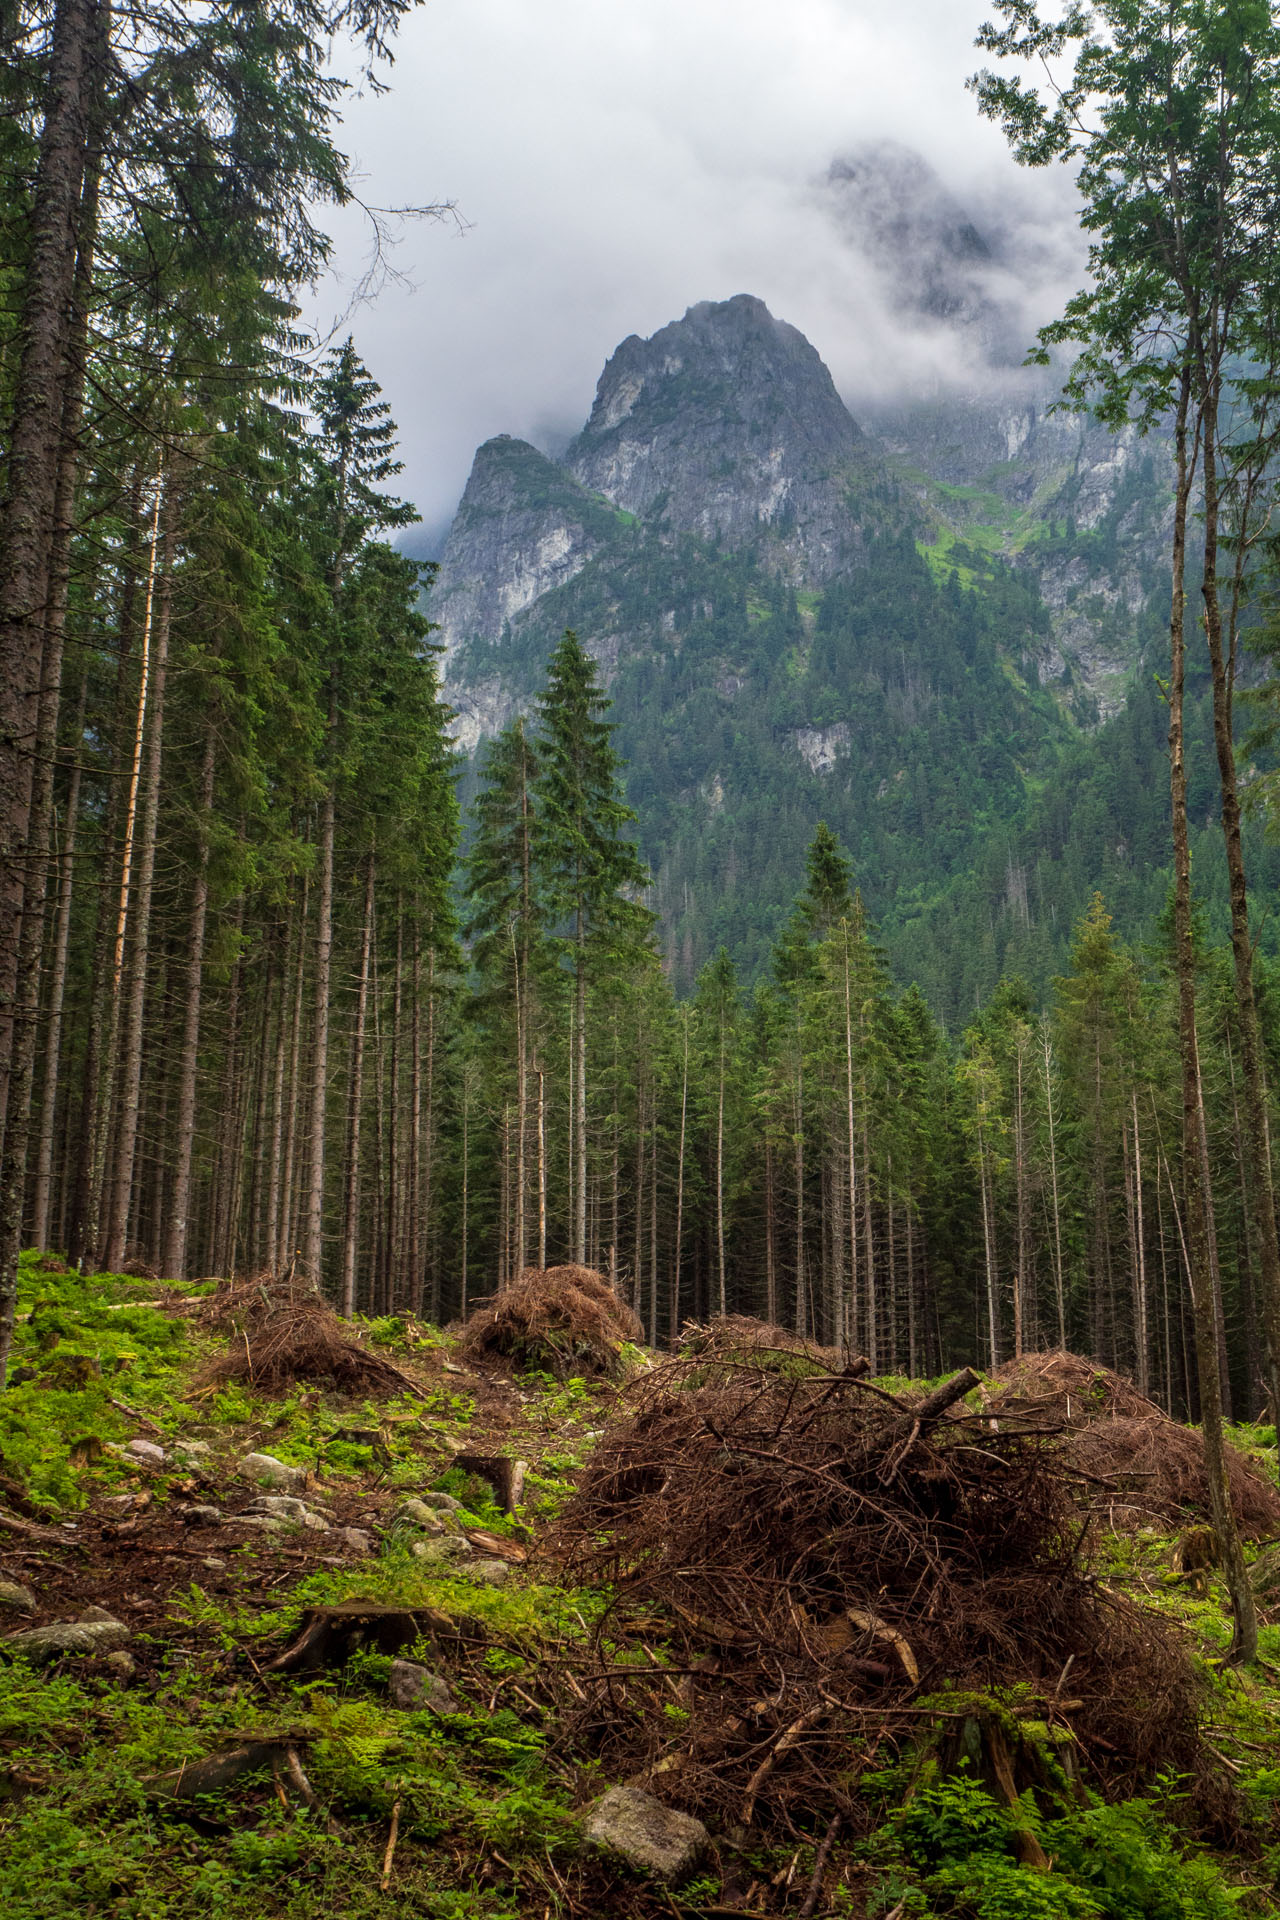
(1244, 1647)
(1059, 1288)
(678, 1250)
(542, 1168)
(290, 1203)
(175, 1254)
(851, 1316)
(355, 1107)
(580, 1094)
(1257, 1136)
(721, 1299)
(1141, 1332)
(313, 1239)
(989, 1255)
(271, 1252)
(800, 1300)
(58, 985)
(1020, 1287)
(27, 512)
(134, 998)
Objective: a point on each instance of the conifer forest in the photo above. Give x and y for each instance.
(947, 1038)
(267, 990)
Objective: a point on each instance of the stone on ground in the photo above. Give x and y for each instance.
(270, 1472)
(654, 1839)
(13, 1594)
(411, 1688)
(94, 1632)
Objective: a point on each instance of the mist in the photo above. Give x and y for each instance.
(610, 168)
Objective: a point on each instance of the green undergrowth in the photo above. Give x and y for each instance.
(485, 1800)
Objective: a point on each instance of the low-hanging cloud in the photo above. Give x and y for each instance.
(616, 165)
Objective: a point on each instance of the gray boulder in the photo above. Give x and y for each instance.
(287, 1507)
(413, 1688)
(144, 1453)
(490, 1573)
(94, 1632)
(270, 1472)
(653, 1839)
(14, 1595)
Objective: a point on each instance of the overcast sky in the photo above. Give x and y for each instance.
(615, 164)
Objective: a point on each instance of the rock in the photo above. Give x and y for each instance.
(356, 1540)
(440, 1552)
(13, 1595)
(264, 1522)
(419, 1514)
(202, 1516)
(654, 1839)
(270, 1472)
(411, 1688)
(284, 1506)
(439, 1502)
(491, 1573)
(122, 1663)
(197, 1449)
(144, 1452)
(214, 1564)
(94, 1632)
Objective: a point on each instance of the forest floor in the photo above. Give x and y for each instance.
(185, 1763)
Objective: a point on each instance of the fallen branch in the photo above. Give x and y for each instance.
(390, 1853)
(819, 1869)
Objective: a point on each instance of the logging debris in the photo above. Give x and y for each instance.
(1141, 1467)
(281, 1330)
(558, 1320)
(831, 1565)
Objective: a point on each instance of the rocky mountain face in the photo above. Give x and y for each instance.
(726, 426)
(894, 624)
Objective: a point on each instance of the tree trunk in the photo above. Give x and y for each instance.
(133, 997)
(355, 1105)
(1244, 1647)
(580, 1093)
(43, 1187)
(851, 1315)
(313, 1238)
(27, 511)
(679, 1242)
(721, 1301)
(1257, 1139)
(1059, 1288)
(175, 1252)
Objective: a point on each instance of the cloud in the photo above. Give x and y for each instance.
(618, 164)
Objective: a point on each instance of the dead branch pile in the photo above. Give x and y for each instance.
(281, 1331)
(557, 1320)
(738, 1339)
(1143, 1467)
(821, 1557)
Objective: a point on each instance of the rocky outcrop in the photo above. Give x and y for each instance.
(728, 425)
(523, 528)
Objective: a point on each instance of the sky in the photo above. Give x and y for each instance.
(611, 165)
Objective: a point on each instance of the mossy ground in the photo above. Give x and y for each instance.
(488, 1797)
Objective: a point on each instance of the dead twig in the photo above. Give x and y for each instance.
(809, 1906)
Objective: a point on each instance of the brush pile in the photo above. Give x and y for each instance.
(1142, 1468)
(820, 1557)
(559, 1320)
(283, 1331)
(737, 1338)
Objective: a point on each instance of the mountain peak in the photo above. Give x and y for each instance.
(728, 423)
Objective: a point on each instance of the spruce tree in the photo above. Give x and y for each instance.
(592, 872)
